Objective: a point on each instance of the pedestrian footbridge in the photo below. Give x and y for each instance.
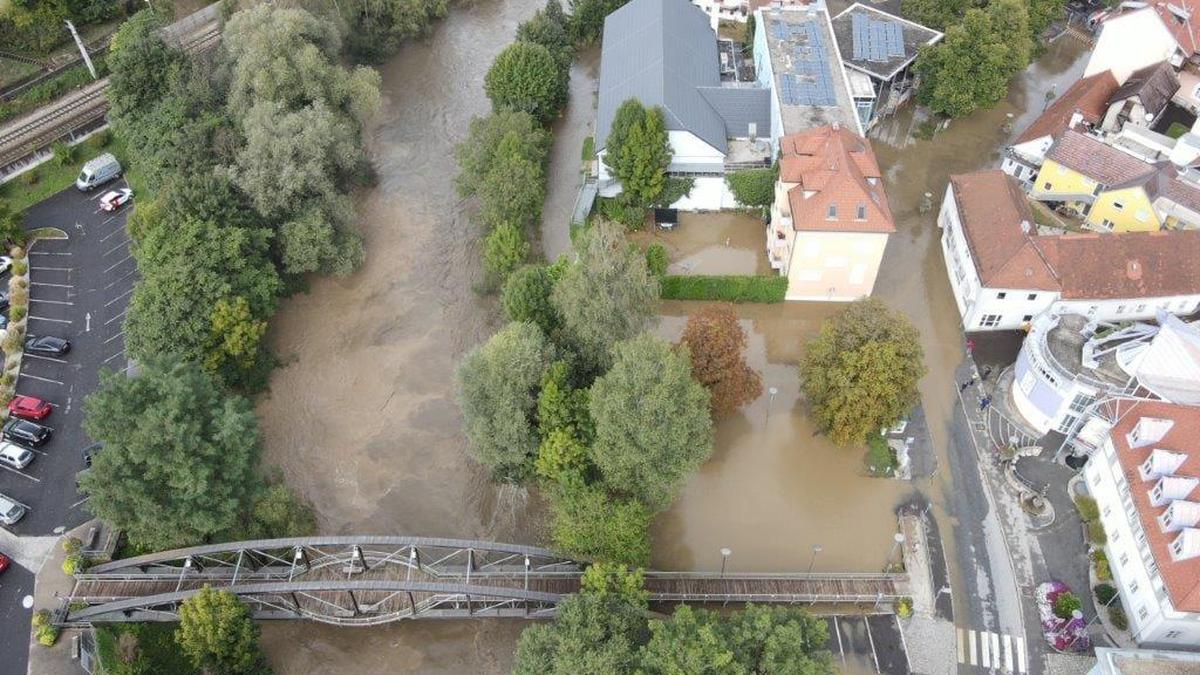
(368, 580)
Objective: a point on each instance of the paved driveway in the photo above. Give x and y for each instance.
(79, 290)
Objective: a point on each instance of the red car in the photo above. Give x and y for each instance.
(4, 562)
(29, 408)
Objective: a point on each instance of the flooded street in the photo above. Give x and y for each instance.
(382, 347)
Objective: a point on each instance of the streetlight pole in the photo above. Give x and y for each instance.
(82, 50)
(813, 560)
(725, 553)
(898, 538)
(770, 402)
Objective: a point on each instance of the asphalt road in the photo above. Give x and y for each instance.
(79, 289)
(15, 584)
(867, 644)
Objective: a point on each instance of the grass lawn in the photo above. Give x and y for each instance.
(50, 178)
(880, 460)
(11, 71)
(155, 644)
(1176, 130)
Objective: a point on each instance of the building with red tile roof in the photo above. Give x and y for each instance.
(1145, 478)
(831, 219)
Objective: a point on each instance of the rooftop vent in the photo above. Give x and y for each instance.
(1133, 270)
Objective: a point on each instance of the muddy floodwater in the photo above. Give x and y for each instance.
(362, 419)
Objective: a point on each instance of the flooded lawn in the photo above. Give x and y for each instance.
(711, 243)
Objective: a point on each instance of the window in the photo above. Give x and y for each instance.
(1133, 586)
(1125, 561)
(1106, 225)
(1177, 546)
(1001, 295)
(989, 320)
(1173, 634)
(1046, 186)
(1118, 206)
(1140, 308)
(1120, 309)
(1081, 402)
(1027, 318)
(1143, 613)
(1107, 510)
(832, 214)
(1031, 296)
(862, 212)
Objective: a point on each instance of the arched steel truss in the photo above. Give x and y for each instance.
(350, 580)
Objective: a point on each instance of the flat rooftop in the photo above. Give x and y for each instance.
(807, 66)
(1065, 342)
(877, 43)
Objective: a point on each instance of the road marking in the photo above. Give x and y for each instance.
(127, 275)
(962, 645)
(76, 504)
(42, 283)
(42, 318)
(837, 630)
(116, 248)
(117, 316)
(108, 236)
(43, 358)
(115, 265)
(974, 659)
(53, 302)
(48, 253)
(114, 337)
(109, 219)
(19, 473)
(41, 379)
(120, 353)
(119, 297)
(1021, 665)
(52, 269)
(87, 326)
(1008, 655)
(995, 649)
(871, 639)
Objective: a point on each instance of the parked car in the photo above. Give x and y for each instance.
(97, 172)
(3, 321)
(24, 432)
(5, 264)
(14, 455)
(47, 345)
(11, 510)
(29, 407)
(3, 301)
(115, 199)
(5, 561)
(89, 453)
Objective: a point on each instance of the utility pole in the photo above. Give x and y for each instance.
(82, 50)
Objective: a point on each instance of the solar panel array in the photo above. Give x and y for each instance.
(810, 81)
(874, 40)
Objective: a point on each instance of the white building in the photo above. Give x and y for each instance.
(1145, 478)
(1116, 661)
(1003, 273)
(1133, 39)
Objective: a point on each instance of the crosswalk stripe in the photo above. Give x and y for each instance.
(986, 649)
(1021, 665)
(962, 647)
(995, 649)
(1008, 656)
(974, 661)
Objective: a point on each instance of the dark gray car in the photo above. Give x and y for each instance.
(47, 345)
(24, 432)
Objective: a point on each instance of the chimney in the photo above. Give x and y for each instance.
(1026, 227)
(836, 125)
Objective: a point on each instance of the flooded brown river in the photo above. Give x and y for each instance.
(362, 418)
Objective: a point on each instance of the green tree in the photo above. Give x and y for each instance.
(653, 427)
(753, 187)
(638, 152)
(513, 189)
(562, 459)
(12, 227)
(141, 66)
(276, 512)
(611, 581)
(587, 18)
(498, 383)
(691, 642)
(973, 65)
(588, 523)
(526, 297)
(504, 250)
(561, 406)
(510, 131)
(860, 372)
(549, 27)
(527, 77)
(936, 14)
(379, 27)
(716, 343)
(1042, 13)
(780, 641)
(217, 633)
(235, 344)
(179, 454)
(318, 240)
(594, 635)
(608, 295)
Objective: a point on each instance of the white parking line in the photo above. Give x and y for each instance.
(117, 230)
(109, 219)
(42, 283)
(119, 297)
(41, 379)
(114, 337)
(53, 302)
(127, 275)
(43, 358)
(19, 473)
(118, 247)
(76, 504)
(1021, 654)
(1008, 655)
(995, 650)
(120, 353)
(117, 316)
(962, 647)
(117, 264)
(871, 638)
(53, 269)
(48, 253)
(974, 655)
(838, 631)
(42, 318)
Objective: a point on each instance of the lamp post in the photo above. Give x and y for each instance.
(813, 560)
(898, 538)
(725, 553)
(770, 402)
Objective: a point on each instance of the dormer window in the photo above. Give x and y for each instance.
(832, 213)
(1147, 431)
(862, 212)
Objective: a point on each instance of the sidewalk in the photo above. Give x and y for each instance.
(51, 585)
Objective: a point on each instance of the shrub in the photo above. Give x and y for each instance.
(1088, 510)
(656, 259)
(72, 545)
(99, 140)
(881, 460)
(1066, 604)
(20, 268)
(728, 288)
(19, 295)
(18, 313)
(904, 608)
(1104, 593)
(18, 253)
(30, 177)
(752, 187)
(7, 379)
(47, 635)
(1116, 615)
(632, 216)
(1096, 533)
(63, 154)
(41, 618)
(74, 564)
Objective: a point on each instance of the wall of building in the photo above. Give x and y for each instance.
(1126, 210)
(834, 266)
(691, 157)
(1124, 309)
(1056, 182)
(709, 193)
(1153, 620)
(1131, 42)
(766, 78)
(1046, 396)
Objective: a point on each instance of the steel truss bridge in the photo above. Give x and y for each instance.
(369, 580)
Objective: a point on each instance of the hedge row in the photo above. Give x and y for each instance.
(728, 288)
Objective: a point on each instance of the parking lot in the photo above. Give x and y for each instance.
(867, 644)
(79, 290)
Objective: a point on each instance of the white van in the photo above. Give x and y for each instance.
(14, 455)
(97, 172)
(10, 511)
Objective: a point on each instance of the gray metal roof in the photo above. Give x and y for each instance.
(661, 52)
(739, 107)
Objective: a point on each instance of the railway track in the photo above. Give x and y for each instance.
(35, 132)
